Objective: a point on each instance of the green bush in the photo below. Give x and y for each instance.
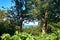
(33, 30)
(46, 37)
(5, 37)
(25, 36)
(17, 36)
(57, 32)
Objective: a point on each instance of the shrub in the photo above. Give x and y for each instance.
(57, 32)
(17, 36)
(46, 37)
(25, 36)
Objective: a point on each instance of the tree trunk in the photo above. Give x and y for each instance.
(44, 28)
(20, 26)
(20, 22)
(19, 13)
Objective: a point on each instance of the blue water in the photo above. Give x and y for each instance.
(28, 26)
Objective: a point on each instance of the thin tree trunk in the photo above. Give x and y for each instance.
(19, 14)
(21, 22)
(44, 28)
(20, 25)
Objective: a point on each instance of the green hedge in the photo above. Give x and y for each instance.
(17, 36)
(25, 36)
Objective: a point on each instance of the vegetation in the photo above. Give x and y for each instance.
(46, 11)
(25, 36)
(17, 36)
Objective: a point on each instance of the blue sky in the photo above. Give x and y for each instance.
(5, 3)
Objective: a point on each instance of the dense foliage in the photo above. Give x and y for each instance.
(17, 36)
(47, 11)
(25, 36)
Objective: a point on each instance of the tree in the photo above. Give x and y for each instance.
(45, 10)
(18, 12)
(39, 7)
(3, 14)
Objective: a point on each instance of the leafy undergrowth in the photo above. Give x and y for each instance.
(17, 36)
(25, 36)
